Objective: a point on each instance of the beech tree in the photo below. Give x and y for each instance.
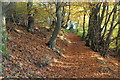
(52, 42)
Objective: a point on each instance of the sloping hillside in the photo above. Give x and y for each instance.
(30, 57)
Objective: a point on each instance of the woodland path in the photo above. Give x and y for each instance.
(79, 61)
(28, 51)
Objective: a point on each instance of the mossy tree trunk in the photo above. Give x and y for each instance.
(3, 32)
(3, 37)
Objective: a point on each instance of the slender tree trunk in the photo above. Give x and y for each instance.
(118, 41)
(107, 20)
(52, 42)
(63, 15)
(118, 36)
(1, 24)
(88, 34)
(83, 36)
(108, 38)
(102, 15)
(104, 28)
(93, 29)
(30, 18)
(98, 28)
(2, 31)
(3, 35)
(68, 18)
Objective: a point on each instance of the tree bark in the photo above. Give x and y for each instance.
(3, 34)
(1, 24)
(52, 42)
(108, 38)
(68, 18)
(94, 28)
(118, 41)
(83, 36)
(30, 18)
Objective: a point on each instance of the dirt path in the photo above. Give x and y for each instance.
(29, 53)
(79, 61)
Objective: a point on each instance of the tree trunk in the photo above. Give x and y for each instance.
(52, 42)
(87, 39)
(118, 36)
(3, 35)
(83, 36)
(30, 18)
(68, 18)
(3, 32)
(94, 28)
(108, 38)
(118, 41)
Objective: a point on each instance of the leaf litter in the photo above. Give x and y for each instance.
(30, 57)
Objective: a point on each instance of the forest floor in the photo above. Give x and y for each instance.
(30, 57)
